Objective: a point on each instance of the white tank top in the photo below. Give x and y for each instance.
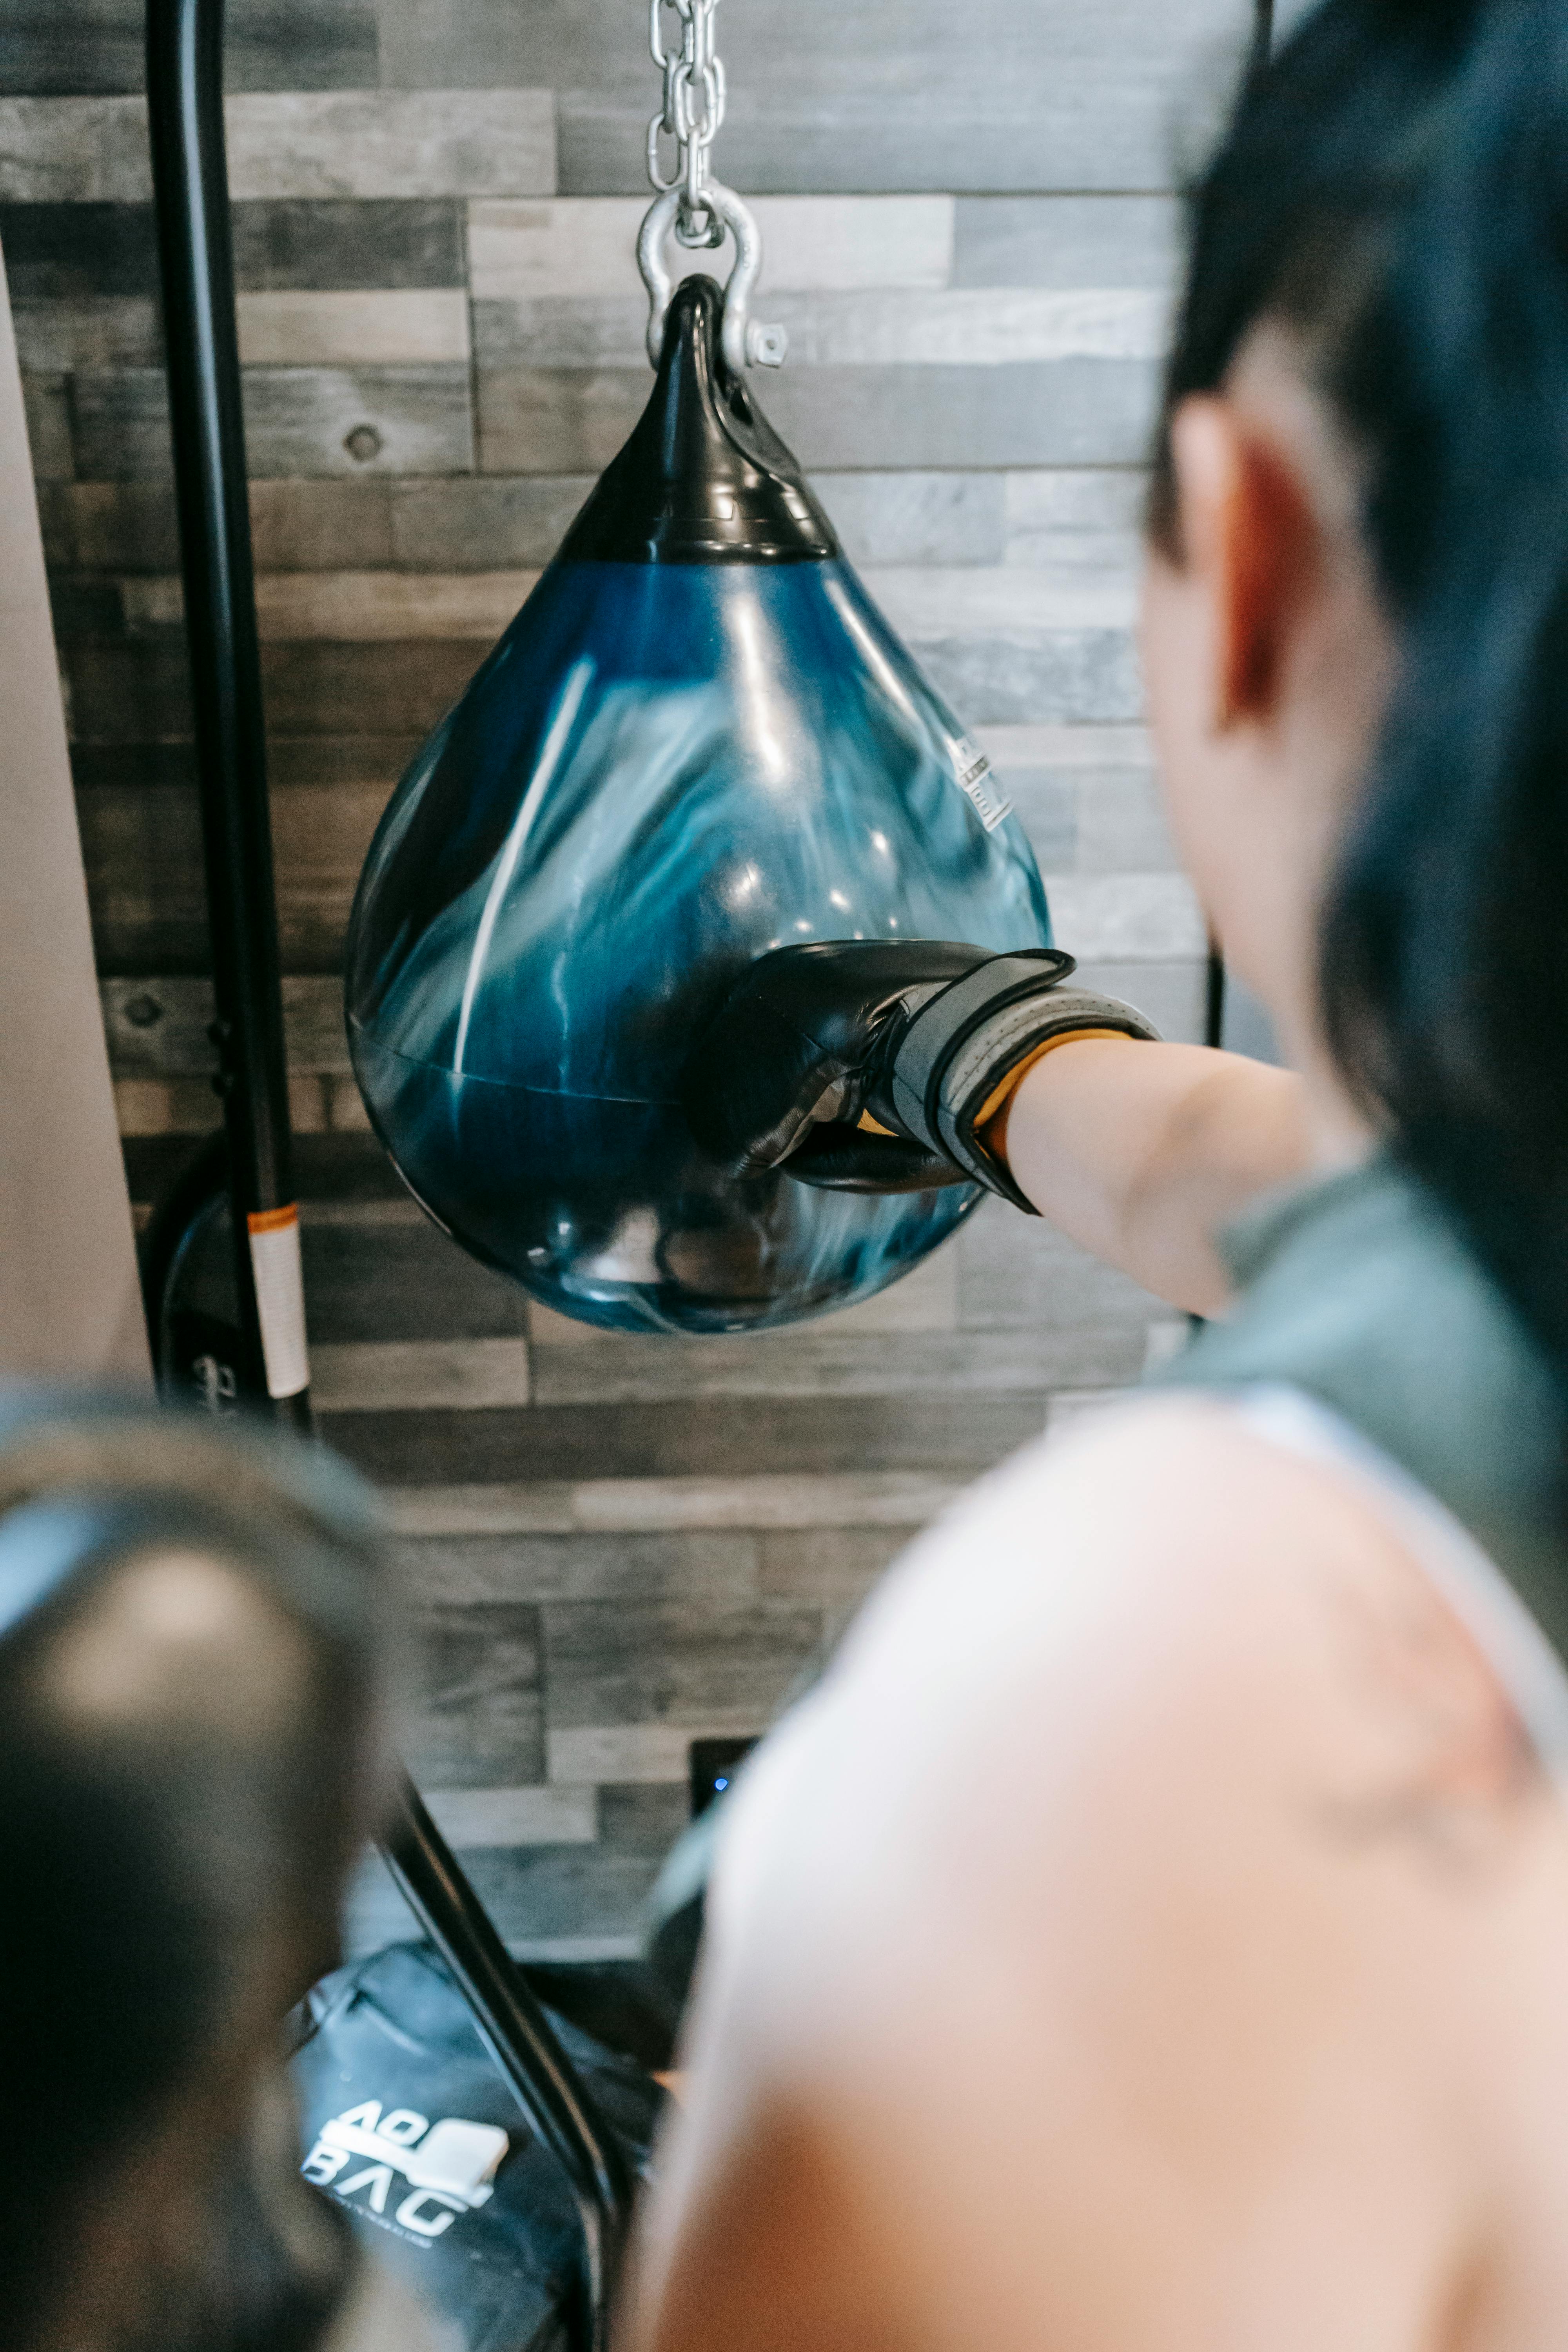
(1475, 1589)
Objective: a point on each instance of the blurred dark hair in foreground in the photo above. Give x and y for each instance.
(1393, 193)
(191, 1757)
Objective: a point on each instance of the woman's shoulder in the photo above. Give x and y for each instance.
(1167, 1527)
(1165, 1622)
(1161, 1846)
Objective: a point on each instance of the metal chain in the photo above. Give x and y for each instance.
(691, 202)
(692, 113)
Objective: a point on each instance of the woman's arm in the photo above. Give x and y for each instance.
(882, 1066)
(1139, 1152)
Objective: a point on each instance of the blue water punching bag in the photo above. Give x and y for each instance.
(697, 741)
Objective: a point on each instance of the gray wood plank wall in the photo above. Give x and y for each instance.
(613, 1546)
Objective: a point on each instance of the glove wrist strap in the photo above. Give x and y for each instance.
(1002, 1093)
(960, 1051)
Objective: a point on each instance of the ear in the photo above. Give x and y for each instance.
(1248, 530)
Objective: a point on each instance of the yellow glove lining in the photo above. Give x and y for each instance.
(998, 1102)
(1002, 1096)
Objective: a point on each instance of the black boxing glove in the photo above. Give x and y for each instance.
(867, 1065)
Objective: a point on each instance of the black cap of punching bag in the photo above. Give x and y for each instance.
(704, 478)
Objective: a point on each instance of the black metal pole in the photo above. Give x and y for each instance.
(1213, 978)
(185, 100)
(184, 104)
(1262, 37)
(1213, 997)
(519, 2036)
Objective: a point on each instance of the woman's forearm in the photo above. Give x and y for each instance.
(1139, 1152)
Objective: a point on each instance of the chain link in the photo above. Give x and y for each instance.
(695, 95)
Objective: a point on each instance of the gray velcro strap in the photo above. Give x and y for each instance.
(933, 1032)
(968, 1048)
(987, 1055)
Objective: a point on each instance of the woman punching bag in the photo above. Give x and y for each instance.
(697, 742)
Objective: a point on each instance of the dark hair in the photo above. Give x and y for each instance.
(171, 1874)
(1394, 190)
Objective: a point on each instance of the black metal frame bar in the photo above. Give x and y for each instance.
(520, 2039)
(1262, 49)
(1262, 37)
(185, 100)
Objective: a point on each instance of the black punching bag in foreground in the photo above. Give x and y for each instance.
(698, 740)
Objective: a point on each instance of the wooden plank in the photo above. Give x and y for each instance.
(1075, 412)
(45, 403)
(169, 1112)
(323, 526)
(73, 150)
(718, 1570)
(109, 526)
(1068, 240)
(298, 420)
(646, 1754)
(400, 1375)
(58, 252)
(968, 328)
(897, 1498)
(916, 517)
(1020, 1274)
(1046, 806)
(479, 1719)
(158, 1028)
(126, 693)
(347, 242)
(296, 526)
(329, 1171)
(87, 608)
(925, 601)
(273, 45)
(136, 693)
(1122, 823)
(1171, 994)
(1068, 746)
(646, 1819)
(1124, 918)
(978, 327)
(821, 1364)
(94, 331)
(564, 1903)
(348, 689)
(673, 1663)
(142, 848)
(1066, 675)
(833, 1567)
(355, 328)
(893, 94)
(432, 142)
(366, 607)
(379, 1270)
(290, 138)
(547, 1815)
(484, 525)
(1080, 498)
(583, 247)
(542, 421)
(727, 1436)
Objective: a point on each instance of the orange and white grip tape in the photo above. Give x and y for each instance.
(281, 1297)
